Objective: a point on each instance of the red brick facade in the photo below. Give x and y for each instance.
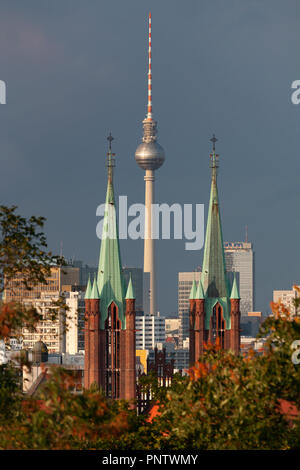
(229, 339)
(110, 352)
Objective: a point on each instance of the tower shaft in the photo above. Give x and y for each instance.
(149, 242)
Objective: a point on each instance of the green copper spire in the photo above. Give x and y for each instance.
(110, 278)
(193, 291)
(214, 279)
(88, 289)
(94, 292)
(199, 292)
(235, 290)
(130, 291)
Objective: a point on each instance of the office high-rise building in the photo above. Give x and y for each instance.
(85, 271)
(49, 330)
(146, 293)
(63, 333)
(75, 322)
(58, 277)
(239, 257)
(287, 298)
(150, 330)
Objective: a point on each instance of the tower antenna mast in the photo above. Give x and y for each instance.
(149, 112)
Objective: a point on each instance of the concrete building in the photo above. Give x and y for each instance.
(75, 322)
(150, 330)
(85, 271)
(180, 356)
(61, 330)
(251, 343)
(250, 324)
(287, 298)
(172, 326)
(150, 156)
(54, 332)
(141, 361)
(239, 257)
(49, 330)
(44, 363)
(59, 277)
(185, 282)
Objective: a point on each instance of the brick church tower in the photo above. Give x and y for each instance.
(214, 303)
(110, 313)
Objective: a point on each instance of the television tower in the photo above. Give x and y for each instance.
(149, 156)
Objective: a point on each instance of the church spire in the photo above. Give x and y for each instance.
(110, 279)
(214, 280)
(214, 316)
(110, 360)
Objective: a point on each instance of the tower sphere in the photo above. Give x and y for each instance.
(150, 155)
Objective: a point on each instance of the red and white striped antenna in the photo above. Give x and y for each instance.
(149, 113)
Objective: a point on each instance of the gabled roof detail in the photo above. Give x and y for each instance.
(130, 291)
(235, 290)
(88, 290)
(94, 292)
(199, 292)
(193, 291)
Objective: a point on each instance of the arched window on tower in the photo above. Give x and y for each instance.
(112, 352)
(217, 326)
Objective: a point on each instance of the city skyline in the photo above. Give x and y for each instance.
(228, 82)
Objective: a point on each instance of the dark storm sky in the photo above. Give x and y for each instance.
(76, 69)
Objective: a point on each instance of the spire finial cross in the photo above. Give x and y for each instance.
(214, 140)
(110, 157)
(110, 139)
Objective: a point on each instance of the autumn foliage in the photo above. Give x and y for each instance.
(226, 401)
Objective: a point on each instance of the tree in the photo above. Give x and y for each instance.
(23, 255)
(23, 249)
(57, 418)
(236, 402)
(227, 402)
